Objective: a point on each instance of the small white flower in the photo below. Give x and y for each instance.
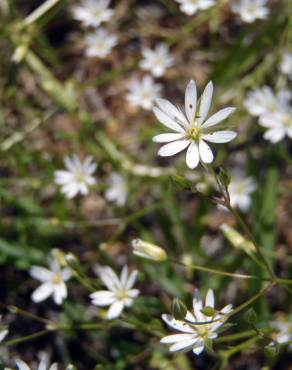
(196, 327)
(191, 130)
(43, 365)
(261, 101)
(92, 12)
(99, 43)
(240, 190)
(77, 177)
(142, 93)
(119, 294)
(284, 331)
(53, 281)
(190, 7)
(156, 61)
(117, 192)
(278, 124)
(250, 10)
(3, 332)
(286, 64)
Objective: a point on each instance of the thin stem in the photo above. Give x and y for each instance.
(26, 338)
(20, 311)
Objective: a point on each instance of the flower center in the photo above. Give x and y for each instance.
(121, 295)
(80, 178)
(194, 133)
(202, 330)
(57, 279)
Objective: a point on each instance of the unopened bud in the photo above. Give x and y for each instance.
(148, 250)
(237, 240)
(71, 260)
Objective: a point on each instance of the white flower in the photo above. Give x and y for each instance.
(43, 365)
(278, 124)
(190, 7)
(142, 93)
(99, 43)
(77, 177)
(196, 327)
(284, 331)
(117, 192)
(240, 190)
(53, 281)
(92, 12)
(286, 64)
(3, 332)
(190, 129)
(261, 101)
(119, 294)
(156, 61)
(250, 10)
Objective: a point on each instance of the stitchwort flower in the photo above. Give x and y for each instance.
(190, 7)
(92, 12)
(99, 43)
(53, 280)
(197, 327)
(77, 177)
(120, 293)
(240, 190)
(251, 10)
(191, 130)
(142, 93)
(156, 61)
(117, 191)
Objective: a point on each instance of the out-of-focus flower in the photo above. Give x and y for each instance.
(250, 10)
(142, 93)
(196, 327)
(156, 61)
(53, 281)
(117, 191)
(191, 130)
(278, 124)
(190, 7)
(286, 64)
(240, 190)
(148, 250)
(3, 332)
(120, 293)
(77, 177)
(284, 331)
(99, 43)
(43, 365)
(92, 12)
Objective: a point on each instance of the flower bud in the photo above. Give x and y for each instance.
(237, 240)
(148, 250)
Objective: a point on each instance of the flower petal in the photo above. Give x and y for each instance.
(220, 137)
(192, 157)
(174, 338)
(183, 345)
(115, 310)
(191, 100)
(41, 273)
(199, 347)
(102, 298)
(131, 280)
(108, 277)
(205, 103)
(218, 117)
(42, 292)
(166, 138)
(206, 154)
(171, 110)
(173, 148)
(21, 365)
(198, 305)
(210, 300)
(167, 120)
(177, 324)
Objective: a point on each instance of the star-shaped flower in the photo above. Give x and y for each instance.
(92, 12)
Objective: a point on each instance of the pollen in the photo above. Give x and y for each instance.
(194, 133)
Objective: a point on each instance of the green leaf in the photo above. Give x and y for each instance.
(250, 316)
(178, 309)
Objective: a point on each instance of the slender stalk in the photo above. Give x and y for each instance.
(26, 338)
(40, 11)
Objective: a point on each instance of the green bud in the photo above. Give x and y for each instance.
(208, 311)
(148, 250)
(250, 316)
(178, 309)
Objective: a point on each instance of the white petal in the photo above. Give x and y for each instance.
(227, 309)
(174, 338)
(171, 110)
(199, 347)
(191, 100)
(133, 293)
(102, 298)
(274, 135)
(115, 310)
(205, 103)
(177, 324)
(131, 280)
(183, 345)
(66, 274)
(54, 366)
(42, 292)
(3, 334)
(166, 138)
(40, 273)
(205, 151)
(109, 277)
(192, 157)
(198, 305)
(167, 120)
(21, 365)
(210, 300)
(220, 137)
(173, 148)
(60, 293)
(218, 117)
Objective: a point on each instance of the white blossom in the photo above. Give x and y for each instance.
(117, 191)
(92, 12)
(190, 7)
(278, 125)
(120, 293)
(77, 177)
(191, 129)
(284, 331)
(142, 93)
(99, 43)
(240, 190)
(286, 64)
(196, 327)
(43, 365)
(53, 281)
(156, 61)
(250, 10)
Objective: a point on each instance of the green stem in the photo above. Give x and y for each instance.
(26, 338)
